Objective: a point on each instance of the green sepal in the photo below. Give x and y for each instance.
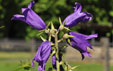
(61, 63)
(53, 52)
(74, 67)
(69, 68)
(67, 29)
(68, 40)
(39, 34)
(67, 36)
(52, 26)
(60, 21)
(52, 30)
(63, 47)
(61, 25)
(52, 44)
(43, 39)
(48, 25)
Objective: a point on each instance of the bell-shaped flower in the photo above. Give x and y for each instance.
(77, 16)
(42, 55)
(30, 17)
(80, 42)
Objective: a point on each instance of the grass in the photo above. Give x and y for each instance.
(9, 61)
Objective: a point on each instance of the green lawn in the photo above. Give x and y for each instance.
(10, 61)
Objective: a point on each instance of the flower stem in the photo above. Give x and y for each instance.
(57, 52)
(50, 37)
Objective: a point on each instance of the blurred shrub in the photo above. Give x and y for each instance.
(51, 10)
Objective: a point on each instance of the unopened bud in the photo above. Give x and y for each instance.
(61, 27)
(68, 36)
(47, 31)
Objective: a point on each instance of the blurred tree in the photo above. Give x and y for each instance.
(51, 10)
(7, 10)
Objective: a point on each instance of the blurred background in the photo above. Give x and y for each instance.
(19, 41)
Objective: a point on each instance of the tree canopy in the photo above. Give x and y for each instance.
(51, 10)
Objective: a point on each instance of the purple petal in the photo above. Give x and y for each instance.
(18, 17)
(42, 55)
(23, 9)
(54, 61)
(87, 17)
(33, 65)
(38, 55)
(78, 7)
(92, 36)
(77, 16)
(31, 4)
(85, 54)
(41, 67)
(33, 19)
(83, 36)
(80, 42)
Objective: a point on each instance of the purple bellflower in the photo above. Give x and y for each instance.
(77, 16)
(80, 42)
(42, 55)
(30, 17)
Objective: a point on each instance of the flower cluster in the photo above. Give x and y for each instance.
(77, 40)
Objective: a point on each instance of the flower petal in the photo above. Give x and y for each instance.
(33, 19)
(42, 55)
(54, 61)
(83, 36)
(31, 4)
(41, 66)
(18, 17)
(80, 42)
(76, 17)
(78, 7)
(92, 36)
(85, 54)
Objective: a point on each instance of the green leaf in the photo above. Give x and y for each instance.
(2, 27)
(111, 13)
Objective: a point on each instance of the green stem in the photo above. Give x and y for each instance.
(57, 51)
(50, 37)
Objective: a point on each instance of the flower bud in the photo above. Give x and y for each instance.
(47, 31)
(61, 27)
(67, 36)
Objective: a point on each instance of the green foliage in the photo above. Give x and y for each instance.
(10, 61)
(51, 10)
(24, 65)
(7, 10)
(32, 33)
